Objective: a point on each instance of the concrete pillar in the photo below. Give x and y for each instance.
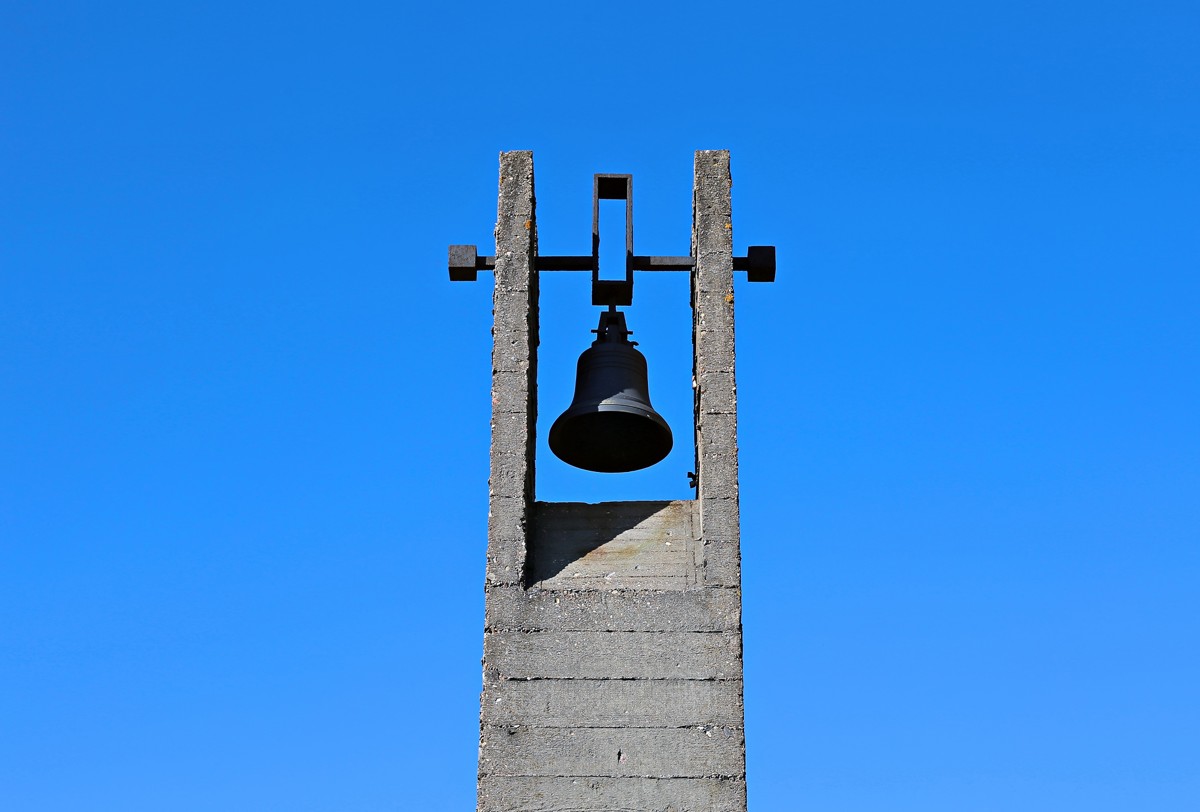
(514, 373)
(713, 369)
(612, 645)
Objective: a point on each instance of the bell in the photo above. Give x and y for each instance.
(610, 425)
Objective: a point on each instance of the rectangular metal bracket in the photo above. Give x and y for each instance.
(612, 292)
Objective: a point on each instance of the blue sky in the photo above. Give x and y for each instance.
(243, 456)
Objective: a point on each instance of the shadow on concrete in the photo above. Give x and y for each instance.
(609, 543)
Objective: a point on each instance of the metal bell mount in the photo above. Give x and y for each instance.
(610, 425)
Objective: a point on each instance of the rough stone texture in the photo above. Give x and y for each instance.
(612, 677)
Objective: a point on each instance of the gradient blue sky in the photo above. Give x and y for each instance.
(244, 415)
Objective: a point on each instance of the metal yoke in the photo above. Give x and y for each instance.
(465, 261)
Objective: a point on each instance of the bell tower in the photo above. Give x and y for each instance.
(612, 665)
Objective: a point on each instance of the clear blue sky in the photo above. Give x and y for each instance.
(244, 415)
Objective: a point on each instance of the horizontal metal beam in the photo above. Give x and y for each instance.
(465, 263)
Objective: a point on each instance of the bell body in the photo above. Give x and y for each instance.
(610, 426)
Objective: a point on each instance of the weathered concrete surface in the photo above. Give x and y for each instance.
(612, 649)
(614, 545)
(613, 703)
(614, 655)
(713, 344)
(514, 371)
(584, 794)
(701, 610)
(690, 752)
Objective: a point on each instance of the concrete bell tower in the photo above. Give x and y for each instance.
(612, 665)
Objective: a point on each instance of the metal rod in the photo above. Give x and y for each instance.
(553, 263)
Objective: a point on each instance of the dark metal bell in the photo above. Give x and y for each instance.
(610, 425)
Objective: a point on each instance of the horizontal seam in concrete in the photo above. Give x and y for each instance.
(503, 678)
(538, 629)
(623, 591)
(619, 776)
(624, 631)
(629, 592)
(691, 726)
(606, 727)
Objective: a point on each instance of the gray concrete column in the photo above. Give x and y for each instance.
(713, 369)
(514, 372)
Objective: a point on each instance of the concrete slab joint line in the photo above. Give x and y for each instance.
(612, 665)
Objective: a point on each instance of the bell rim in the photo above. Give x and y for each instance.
(556, 431)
